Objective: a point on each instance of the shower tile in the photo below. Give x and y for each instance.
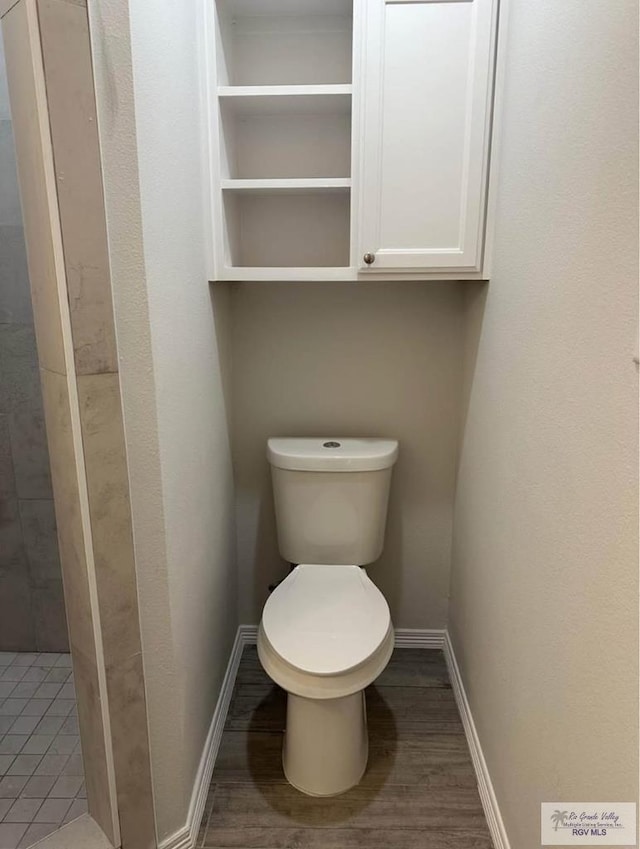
(38, 523)
(49, 615)
(35, 674)
(64, 744)
(25, 659)
(48, 690)
(74, 766)
(5, 763)
(50, 724)
(24, 724)
(14, 673)
(24, 765)
(77, 809)
(11, 543)
(6, 689)
(64, 660)
(36, 707)
(52, 810)
(38, 786)
(5, 805)
(10, 834)
(7, 479)
(5, 723)
(35, 832)
(61, 707)
(37, 744)
(13, 744)
(67, 692)
(52, 765)
(23, 810)
(24, 689)
(13, 707)
(29, 451)
(7, 657)
(66, 787)
(12, 785)
(59, 674)
(69, 726)
(15, 294)
(19, 380)
(48, 659)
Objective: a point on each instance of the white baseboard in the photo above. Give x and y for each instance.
(419, 638)
(405, 637)
(485, 787)
(186, 837)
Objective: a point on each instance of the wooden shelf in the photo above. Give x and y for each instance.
(309, 185)
(283, 99)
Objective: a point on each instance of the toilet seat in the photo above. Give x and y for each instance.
(326, 631)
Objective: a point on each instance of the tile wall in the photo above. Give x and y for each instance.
(32, 615)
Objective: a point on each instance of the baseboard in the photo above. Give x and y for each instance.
(419, 638)
(485, 787)
(186, 837)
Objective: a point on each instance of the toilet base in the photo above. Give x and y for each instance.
(326, 744)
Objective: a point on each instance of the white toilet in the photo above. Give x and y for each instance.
(326, 632)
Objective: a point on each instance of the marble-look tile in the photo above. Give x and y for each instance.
(68, 517)
(35, 190)
(72, 111)
(49, 617)
(39, 533)
(93, 743)
(7, 477)
(15, 292)
(127, 709)
(10, 211)
(19, 381)
(16, 622)
(29, 450)
(106, 467)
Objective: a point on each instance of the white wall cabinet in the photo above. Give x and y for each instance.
(351, 138)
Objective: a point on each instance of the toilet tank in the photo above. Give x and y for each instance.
(331, 497)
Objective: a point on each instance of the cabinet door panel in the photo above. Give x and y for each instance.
(426, 120)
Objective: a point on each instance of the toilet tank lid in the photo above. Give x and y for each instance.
(331, 454)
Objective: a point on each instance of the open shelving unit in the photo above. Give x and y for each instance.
(281, 129)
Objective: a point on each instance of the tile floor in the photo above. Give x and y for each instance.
(419, 790)
(41, 772)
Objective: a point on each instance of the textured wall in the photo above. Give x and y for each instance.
(32, 616)
(544, 593)
(351, 360)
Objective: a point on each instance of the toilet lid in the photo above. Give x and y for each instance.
(326, 620)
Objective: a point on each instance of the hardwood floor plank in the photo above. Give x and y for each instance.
(433, 760)
(347, 838)
(419, 789)
(392, 806)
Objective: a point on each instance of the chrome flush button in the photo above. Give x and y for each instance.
(331, 445)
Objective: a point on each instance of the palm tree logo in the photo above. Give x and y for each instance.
(559, 817)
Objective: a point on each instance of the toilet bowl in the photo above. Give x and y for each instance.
(326, 631)
(325, 635)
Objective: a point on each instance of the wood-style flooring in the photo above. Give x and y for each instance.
(419, 789)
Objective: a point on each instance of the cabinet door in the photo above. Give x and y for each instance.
(427, 95)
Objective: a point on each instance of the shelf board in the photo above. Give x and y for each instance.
(280, 99)
(307, 185)
(272, 8)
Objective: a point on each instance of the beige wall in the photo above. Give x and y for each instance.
(351, 360)
(172, 370)
(544, 594)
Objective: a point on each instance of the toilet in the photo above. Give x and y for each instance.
(326, 630)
